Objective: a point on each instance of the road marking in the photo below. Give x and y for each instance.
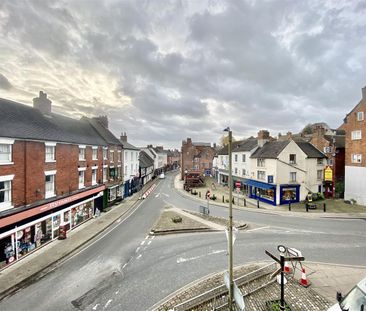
(124, 266)
(181, 259)
(147, 237)
(117, 292)
(137, 249)
(167, 195)
(96, 306)
(157, 195)
(139, 256)
(148, 243)
(108, 302)
(255, 229)
(119, 220)
(153, 237)
(142, 243)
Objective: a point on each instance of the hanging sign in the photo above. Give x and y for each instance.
(328, 174)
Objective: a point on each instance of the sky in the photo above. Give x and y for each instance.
(165, 70)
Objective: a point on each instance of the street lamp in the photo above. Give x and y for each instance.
(231, 276)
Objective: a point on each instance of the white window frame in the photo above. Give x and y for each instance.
(81, 170)
(111, 155)
(319, 174)
(243, 172)
(360, 116)
(356, 158)
(261, 162)
(261, 175)
(356, 135)
(53, 153)
(95, 153)
(119, 156)
(235, 170)
(289, 158)
(10, 143)
(105, 153)
(82, 154)
(243, 158)
(105, 173)
(94, 175)
(236, 158)
(7, 204)
(50, 194)
(293, 174)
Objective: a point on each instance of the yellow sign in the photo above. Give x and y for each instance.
(328, 174)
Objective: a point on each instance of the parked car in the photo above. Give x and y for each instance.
(162, 176)
(355, 300)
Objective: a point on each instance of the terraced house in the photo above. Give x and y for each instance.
(55, 172)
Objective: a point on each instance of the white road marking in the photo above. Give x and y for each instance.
(153, 237)
(148, 243)
(157, 195)
(96, 306)
(167, 195)
(146, 237)
(137, 249)
(124, 266)
(142, 243)
(108, 302)
(255, 229)
(117, 292)
(181, 259)
(139, 256)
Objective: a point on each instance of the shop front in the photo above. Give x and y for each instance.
(43, 226)
(261, 191)
(289, 193)
(114, 194)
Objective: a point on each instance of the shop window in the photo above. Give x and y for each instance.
(5, 153)
(112, 194)
(95, 153)
(56, 220)
(360, 116)
(50, 185)
(7, 250)
(319, 174)
(356, 158)
(292, 176)
(356, 135)
(288, 194)
(81, 153)
(120, 191)
(292, 159)
(50, 153)
(25, 242)
(94, 176)
(81, 213)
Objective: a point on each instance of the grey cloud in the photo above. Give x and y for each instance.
(4, 83)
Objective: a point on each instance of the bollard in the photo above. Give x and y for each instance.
(289, 206)
(325, 207)
(257, 203)
(199, 194)
(307, 207)
(245, 202)
(223, 199)
(233, 201)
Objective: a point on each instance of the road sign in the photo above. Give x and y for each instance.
(227, 279)
(238, 184)
(279, 279)
(239, 299)
(294, 252)
(235, 233)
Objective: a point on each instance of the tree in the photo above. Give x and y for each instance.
(224, 140)
(308, 129)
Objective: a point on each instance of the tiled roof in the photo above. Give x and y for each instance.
(270, 150)
(145, 160)
(103, 131)
(310, 150)
(128, 146)
(340, 140)
(24, 122)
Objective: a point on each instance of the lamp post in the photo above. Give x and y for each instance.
(231, 277)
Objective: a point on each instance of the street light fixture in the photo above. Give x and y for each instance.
(231, 275)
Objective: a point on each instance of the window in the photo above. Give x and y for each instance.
(112, 194)
(292, 176)
(50, 152)
(50, 184)
(292, 159)
(119, 156)
(330, 162)
(94, 176)
(236, 170)
(81, 179)
(243, 172)
(319, 174)
(95, 153)
(360, 116)
(243, 158)
(81, 153)
(356, 158)
(126, 156)
(105, 154)
(327, 149)
(261, 175)
(131, 169)
(5, 153)
(126, 170)
(355, 135)
(5, 192)
(260, 162)
(319, 161)
(111, 155)
(236, 158)
(105, 174)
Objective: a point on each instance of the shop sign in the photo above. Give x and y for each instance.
(328, 174)
(270, 179)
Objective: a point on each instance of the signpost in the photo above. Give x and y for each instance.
(283, 249)
(237, 186)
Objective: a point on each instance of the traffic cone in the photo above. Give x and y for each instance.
(287, 268)
(304, 282)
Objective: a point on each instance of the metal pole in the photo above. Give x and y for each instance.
(230, 227)
(282, 306)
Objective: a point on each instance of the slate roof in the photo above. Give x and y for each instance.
(201, 144)
(103, 131)
(25, 122)
(270, 150)
(310, 150)
(128, 146)
(145, 160)
(246, 145)
(340, 140)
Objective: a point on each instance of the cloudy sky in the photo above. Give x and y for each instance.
(164, 70)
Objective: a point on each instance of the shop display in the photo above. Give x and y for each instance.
(81, 213)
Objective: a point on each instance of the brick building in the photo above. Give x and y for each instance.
(52, 173)
(355, 156)
(197, 157)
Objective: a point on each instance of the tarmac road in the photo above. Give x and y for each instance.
(129, 270)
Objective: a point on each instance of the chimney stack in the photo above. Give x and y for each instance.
(364, 92)
(42, 103)
(289, 135)
(263, 137)
(103, 120)
(123, 137)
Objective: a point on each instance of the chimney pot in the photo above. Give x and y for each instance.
(42, 103)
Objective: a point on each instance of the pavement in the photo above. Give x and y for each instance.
(326, 279)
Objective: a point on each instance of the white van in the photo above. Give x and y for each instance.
(355, 300)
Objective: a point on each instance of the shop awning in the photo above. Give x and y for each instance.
(259, 184)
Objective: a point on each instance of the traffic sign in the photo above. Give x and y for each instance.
(238, 296)
(238, 184)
